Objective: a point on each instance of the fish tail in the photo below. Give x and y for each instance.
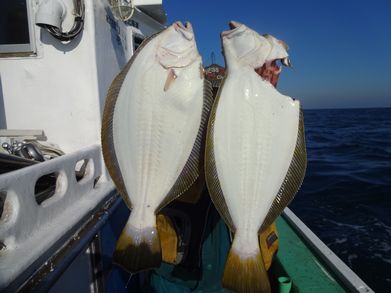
(138, 249)
(245, 274)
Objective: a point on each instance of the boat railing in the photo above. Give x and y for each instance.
(33, 228)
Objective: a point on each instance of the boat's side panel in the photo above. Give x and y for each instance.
(62, 88)
(31, 232)
(55, 90)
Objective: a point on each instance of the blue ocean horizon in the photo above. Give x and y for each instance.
(346, 194)
(348, 108)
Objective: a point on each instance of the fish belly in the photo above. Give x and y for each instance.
(154, 131)
(254, 139)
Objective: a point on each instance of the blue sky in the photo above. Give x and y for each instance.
(340, 50)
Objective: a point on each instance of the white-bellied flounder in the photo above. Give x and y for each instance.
(255, 152)
(155, 113)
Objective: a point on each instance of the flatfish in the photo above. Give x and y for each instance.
(154, 117)
(255, 152)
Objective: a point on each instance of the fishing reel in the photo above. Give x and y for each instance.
(32, 150)
(24, 150)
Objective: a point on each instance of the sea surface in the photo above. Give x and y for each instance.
(346, 195)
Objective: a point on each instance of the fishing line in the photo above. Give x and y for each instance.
(127, 283)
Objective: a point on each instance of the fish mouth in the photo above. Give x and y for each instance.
(234, 26)
(177, 48)
(185, 29)
(286, 62)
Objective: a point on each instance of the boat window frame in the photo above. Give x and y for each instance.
(9, 50)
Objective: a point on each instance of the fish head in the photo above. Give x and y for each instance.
(279, 51)
(177, 47)
(271, 71)
(244, 46)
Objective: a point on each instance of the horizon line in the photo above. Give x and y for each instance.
(349, 108)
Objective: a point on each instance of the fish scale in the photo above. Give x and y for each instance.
(245, 167)
(262, 151)
(146, 138)
(158, 135)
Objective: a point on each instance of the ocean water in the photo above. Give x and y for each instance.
(346, 195)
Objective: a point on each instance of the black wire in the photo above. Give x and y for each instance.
(76, 28)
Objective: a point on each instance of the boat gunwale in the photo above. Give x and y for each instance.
(340, 270)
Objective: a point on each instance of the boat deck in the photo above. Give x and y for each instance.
(296, 260)
(309, 263)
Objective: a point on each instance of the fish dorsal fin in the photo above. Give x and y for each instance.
(193, 165)
(212, 179)
(293, 178)
(107, 140)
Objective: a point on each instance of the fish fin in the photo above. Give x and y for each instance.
(194, 163)
(109, 155)
(107, 141)
(212, 179)
(138, 249)
(293, 179)
(245, 274)
(171, 77)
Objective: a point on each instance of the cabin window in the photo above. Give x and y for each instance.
(16, 28)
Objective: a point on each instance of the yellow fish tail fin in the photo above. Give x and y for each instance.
(138, 249)
(245, 273)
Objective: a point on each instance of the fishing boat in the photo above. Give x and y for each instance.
(60, 214)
